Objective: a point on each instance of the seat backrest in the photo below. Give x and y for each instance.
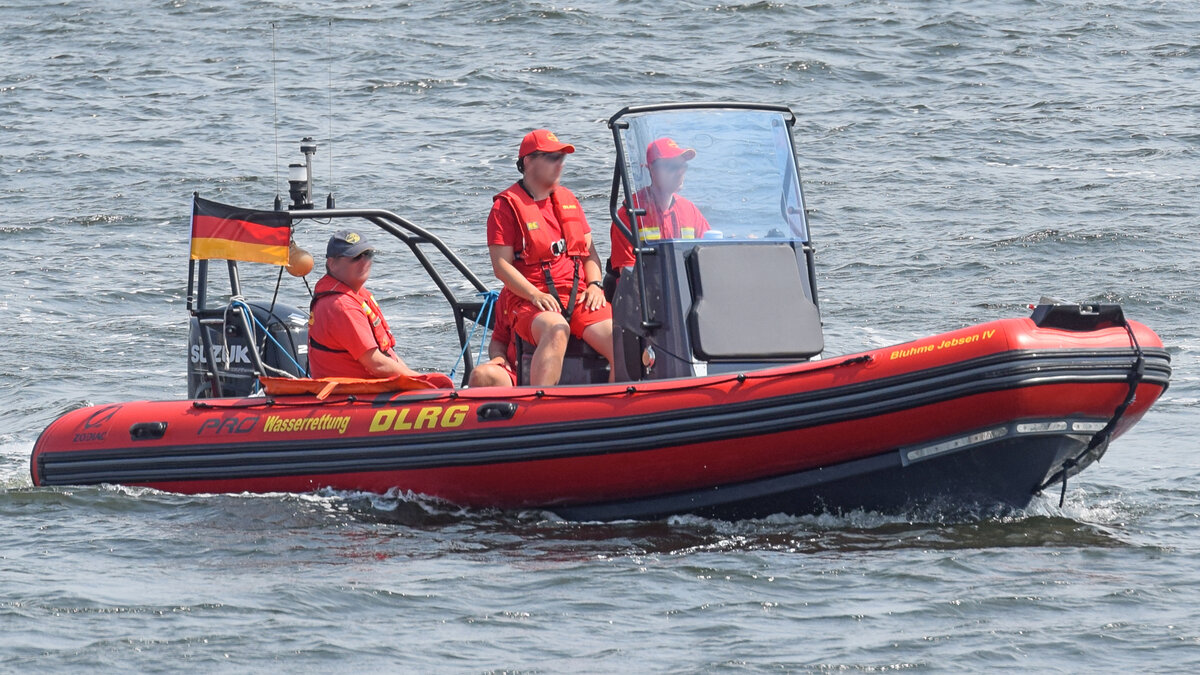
(748, 302)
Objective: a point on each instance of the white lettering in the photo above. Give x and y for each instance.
(222, 354)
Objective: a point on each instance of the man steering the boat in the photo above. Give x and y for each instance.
(541, 249)
(347, 334)
(668, 214)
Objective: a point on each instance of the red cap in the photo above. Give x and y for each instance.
(666, 148)
(542, 140)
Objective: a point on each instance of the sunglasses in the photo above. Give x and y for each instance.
(670, 164)
(365, 255)
(552, 156)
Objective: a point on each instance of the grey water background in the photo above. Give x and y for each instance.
(962, 159)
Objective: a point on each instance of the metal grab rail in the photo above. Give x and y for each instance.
(403, 230)
(413, 236)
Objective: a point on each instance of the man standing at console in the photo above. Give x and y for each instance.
(347, 334)
(668, 215)
(541, 249)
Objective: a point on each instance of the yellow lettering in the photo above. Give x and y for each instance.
(427, 418)
(430, 417)
(402, 423)
(455, 415)
(383, 420)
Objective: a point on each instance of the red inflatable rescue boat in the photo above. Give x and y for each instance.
(703, 419)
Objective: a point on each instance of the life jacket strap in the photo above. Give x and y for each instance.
(574, 290)
(312, 304)
(325, 348)
(570, 308)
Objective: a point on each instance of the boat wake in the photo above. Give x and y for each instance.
(1083, 521)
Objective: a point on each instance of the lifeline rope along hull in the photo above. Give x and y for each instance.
(985, 415)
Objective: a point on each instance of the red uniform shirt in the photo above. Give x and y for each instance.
(680, 220)
(339, 323)
(504, 230)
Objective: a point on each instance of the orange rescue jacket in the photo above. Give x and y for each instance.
(365, 301)
(540, 246)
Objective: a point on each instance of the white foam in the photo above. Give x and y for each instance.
(14, 464)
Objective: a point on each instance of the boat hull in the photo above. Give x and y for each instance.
(983, 416)
(998, 475)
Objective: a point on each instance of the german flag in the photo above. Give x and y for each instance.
(230, 233)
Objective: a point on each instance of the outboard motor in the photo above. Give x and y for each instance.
(228, 347)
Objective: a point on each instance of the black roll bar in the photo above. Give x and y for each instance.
(411, 234)
(702, 105)
(405, 231)
(633, 231)
(809, 249)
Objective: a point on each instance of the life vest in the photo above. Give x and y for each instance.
(653, 231)
(365, 301)
(540, 244)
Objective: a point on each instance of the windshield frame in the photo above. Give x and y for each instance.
(624, 185)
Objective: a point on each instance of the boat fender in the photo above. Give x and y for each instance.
(300, 262)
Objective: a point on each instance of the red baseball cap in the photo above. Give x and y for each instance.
(667, 148)
(543, 140)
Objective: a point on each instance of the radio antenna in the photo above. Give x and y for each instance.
(329, 63)
(275, 100)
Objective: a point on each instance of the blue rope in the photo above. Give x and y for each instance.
(489, 302)
(284, 350)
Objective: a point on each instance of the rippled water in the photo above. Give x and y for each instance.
(963, 159)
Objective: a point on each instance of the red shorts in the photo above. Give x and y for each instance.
(512, 374)
(521, 313)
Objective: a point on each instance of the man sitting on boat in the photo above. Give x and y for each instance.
(541, 249)
(668, 215)
(347, 335)
(498, 370)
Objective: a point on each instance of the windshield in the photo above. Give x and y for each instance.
(713, 174)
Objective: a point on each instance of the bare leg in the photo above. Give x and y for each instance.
(489, 375)
(600, 337)
(550, 332)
